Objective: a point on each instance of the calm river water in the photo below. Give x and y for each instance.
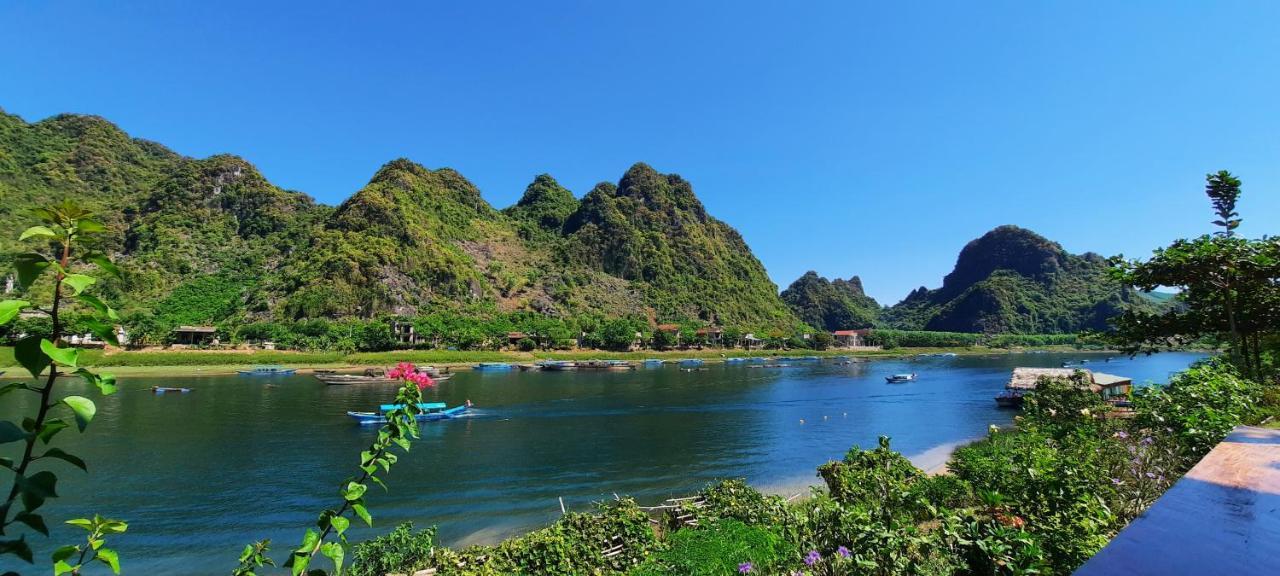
(199, 475)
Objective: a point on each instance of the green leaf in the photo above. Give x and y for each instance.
(334, 552)
(104, 331)
(27, 353)
(101, 307)
(81, 523)
(89, 226)
(50, 429)
(35, 521)
(78, 282)
(61, 454)
(65, 356)
(110, 558)
(114, 527)
(63, 553)
(9, 432)
(30, 266)
(43, 483)
(363, 513)
(9, 309)
(10, 387)
(354, 491)
(83, 408)
(41, 231)
(107, 383)
(105, 264)
(340, 524)
(61, 567)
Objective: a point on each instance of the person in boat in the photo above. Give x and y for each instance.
(468, 403)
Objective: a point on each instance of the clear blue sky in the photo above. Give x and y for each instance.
(846, 137)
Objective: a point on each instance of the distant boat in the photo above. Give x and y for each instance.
(1068, 365)
(559, 365)
(899, 378)
(162, 389)
(1009, 399)
(735, 360)
(652, 362)
(492, 366)
(268, 371)
(529, 367)
(430, 411)
(691, 362)
(347, 379)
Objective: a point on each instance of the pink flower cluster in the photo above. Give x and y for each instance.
(407, 371)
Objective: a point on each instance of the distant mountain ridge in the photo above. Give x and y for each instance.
(831, 304)
(1014, 280)
(211, 240)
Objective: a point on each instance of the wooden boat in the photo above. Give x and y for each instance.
(347, 379)
(529, 367)
(620, 365)
(491, 366)
(899, 378)
(164, 389)
(559, 365)
(324, 371)
(1009, 399)
(268, 371)
(430, 411)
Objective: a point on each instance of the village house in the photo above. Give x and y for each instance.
(712, 336)
(404, 333)
(850, 338)
(195, 336)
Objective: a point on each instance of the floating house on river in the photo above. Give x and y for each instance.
(1112, 388)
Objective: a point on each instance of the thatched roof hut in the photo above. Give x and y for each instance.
(1106, 384)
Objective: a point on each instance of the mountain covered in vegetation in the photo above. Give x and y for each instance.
(831, 304)
(212, 241)
(1014, 280)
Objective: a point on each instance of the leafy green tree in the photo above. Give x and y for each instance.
(664, 339)
(45, 356)
(1228, 287)
(618, 334)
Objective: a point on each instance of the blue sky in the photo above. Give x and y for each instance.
(845, 137)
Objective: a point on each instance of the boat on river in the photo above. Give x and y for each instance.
(606, 365)
(652, 362)
(691, 362)
(430, 411)
(161, 390)
(529, 367)
(491, 366)
(1009, 399)
(348, 379)
(268, 371)
(559, 365)
(900, 378)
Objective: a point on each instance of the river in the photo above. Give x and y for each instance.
(200, 475)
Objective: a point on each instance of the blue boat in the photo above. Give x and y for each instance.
(494, 366)
(734, 360)
(268, 371)
(652, 362)
(691, 362)
(430, 411)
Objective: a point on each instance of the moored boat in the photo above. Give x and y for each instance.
(268, 371)
(559, 365)
(529, 367)
(1009, 399)
(429, 411)
(346, 379)
(652, 362)
(492, 366)
(688, 362)
(163, 389)
(899, 378)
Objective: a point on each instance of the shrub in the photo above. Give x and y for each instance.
(1199, 407)
(717, 549)
(402, 551)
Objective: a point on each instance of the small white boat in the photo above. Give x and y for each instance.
(900, 378)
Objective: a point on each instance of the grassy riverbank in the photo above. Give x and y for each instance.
(186, 362)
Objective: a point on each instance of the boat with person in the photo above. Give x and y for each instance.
(429, 411)
(900, 378)
(268, 371)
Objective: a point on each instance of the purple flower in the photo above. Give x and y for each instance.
(1147, 441)
(1122, 434)
(843, 552)
(812, 558)
(1151, 475)
(1116, 481)
(745, 567)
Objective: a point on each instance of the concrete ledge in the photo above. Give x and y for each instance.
(1223, 517)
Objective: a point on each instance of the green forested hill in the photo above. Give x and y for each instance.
(212, 241)
(831, 304)
(1014, 280)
